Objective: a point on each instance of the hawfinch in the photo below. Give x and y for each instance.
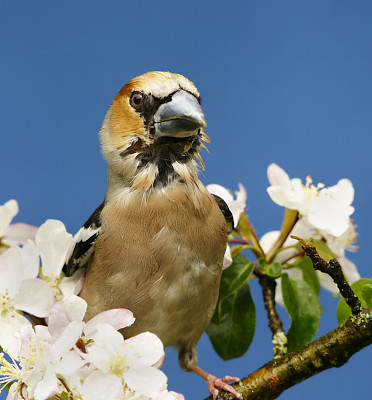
(156, 244)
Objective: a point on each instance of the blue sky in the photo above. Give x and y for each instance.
(281, 81)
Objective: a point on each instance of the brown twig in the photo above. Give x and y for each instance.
(268, 285)
(239, 241)
(299, 254)
(334, 270)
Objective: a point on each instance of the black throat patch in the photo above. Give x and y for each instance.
(162, 153)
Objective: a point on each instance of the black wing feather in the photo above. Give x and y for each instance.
(84, 243)
(226, 212)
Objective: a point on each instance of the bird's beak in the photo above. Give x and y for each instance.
(180, 117)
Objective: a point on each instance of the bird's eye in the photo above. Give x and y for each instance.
(136, 100)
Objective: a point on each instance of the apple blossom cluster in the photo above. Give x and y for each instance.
(323, 214)
(67, 358)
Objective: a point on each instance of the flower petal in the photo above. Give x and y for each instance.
(107, 342)
(220, 191)
(70, 363)
(58, 320)
(331, 209)
(165, 395)
(30, 260)
(53, 243)
(119, 318)
(12, 326)
(147, 380)
(66, 341)
(14, 392)
(19, 234)
(73, 284)
(143, 350)
(236, 206)
(75, 307)
(284, 197)
(47, 386)
(350, 270)
(278, 177)
(268, 239)
(34, 297)
(241, 194)
(100, 386)
(227, 258)
(11, 273)
(7, 212)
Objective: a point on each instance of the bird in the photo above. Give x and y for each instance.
(156, 244)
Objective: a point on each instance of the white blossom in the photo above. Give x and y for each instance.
(13, 234)
(227, 258)
(123, 366)
(54, 243)
(92, 359)
(20, 290)
(237, 205)
(327, 209)
(45, 357)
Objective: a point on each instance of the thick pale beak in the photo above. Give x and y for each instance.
(180, 117)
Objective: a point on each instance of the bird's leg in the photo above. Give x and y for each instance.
(215, 383)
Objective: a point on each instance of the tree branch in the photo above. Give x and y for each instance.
(331, 350)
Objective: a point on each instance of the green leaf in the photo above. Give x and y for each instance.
(304, 309)
(324, 251)
(362, 289)
(367, 294)
(234, 277)
(275, 269)
(232, 327)
(231, 330)
(308, 273)
(235, 250)
(262, 265)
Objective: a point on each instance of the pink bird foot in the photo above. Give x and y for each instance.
(214, 383)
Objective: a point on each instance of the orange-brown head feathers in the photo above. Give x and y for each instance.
(153, 131)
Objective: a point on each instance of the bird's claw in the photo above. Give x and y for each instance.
(215, 383)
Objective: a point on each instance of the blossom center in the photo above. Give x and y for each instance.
(36, 353)
(310, 189)
(53, 283)
(118, 365)
(6, 303)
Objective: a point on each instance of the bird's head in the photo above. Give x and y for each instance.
(153, 131)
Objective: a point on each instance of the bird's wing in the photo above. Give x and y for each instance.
(226, 213)
(84, 240)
